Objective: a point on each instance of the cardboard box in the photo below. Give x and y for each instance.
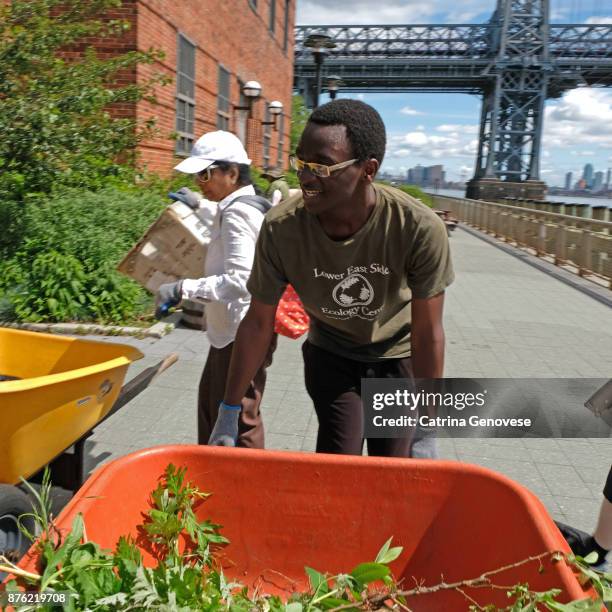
(173, 247)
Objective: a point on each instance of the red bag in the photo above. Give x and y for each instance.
(291, 318)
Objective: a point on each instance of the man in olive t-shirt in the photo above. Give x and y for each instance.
(370, 264)
(357, 291)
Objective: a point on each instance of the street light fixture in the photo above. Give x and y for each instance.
(318, 42)
(333, 84)
(251, 90)
(275, 108)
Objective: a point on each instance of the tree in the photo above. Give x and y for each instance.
(299, 117)
(55, 95)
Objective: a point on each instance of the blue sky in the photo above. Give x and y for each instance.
(431, 129)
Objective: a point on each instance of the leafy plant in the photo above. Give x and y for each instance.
(52, 288)
(260, 183)
(64, 269)
(187, 576)
(59, 127)
(56, 94)
(418, 193)
(299, 118)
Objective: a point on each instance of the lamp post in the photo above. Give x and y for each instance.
(275, 108)
(251, 91)
(333, 84)
(318, 42)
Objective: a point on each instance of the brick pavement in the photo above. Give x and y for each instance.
(503, 319)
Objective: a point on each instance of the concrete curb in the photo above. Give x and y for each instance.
(601, 294)
(157, 330)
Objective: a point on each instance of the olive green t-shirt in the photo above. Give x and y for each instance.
(357, 291)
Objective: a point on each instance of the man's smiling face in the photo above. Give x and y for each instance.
(329, 145)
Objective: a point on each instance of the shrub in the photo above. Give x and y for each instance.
(54, 111)
(65, 268)
(299, 118)
(418, 193)
(51, 288)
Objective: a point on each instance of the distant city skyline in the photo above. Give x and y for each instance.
(427, 129)
(591, 179)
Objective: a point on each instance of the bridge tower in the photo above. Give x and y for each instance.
(514, 62)
(512, 113)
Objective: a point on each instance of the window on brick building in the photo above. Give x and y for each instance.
(267, 137)
(185, 95)
(281, 140)
(272, 14)
(286, 30)
(253, 4)
(240, 116)
(223, 100)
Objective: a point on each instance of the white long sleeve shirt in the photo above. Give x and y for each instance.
(227, 268)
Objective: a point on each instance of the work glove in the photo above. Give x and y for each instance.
(225, 431)
(185, 195)
(168, 295)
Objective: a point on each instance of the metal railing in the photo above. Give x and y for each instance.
(583, 245)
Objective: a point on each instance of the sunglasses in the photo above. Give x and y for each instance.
(320, 170)
(204, 175)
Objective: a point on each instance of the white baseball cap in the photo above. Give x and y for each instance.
(212, 147)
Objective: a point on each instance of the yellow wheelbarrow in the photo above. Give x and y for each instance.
(54, 390)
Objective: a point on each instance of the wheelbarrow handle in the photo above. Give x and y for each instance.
(139, 383)
(164, 364)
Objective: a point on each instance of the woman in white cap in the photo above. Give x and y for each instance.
(222, 170)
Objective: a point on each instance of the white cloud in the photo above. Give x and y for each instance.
(407, 110)
(457, 129)
(581, 117)
(360, 12)
(578, 126)
(401, 153)
(421, 146)
(416, 139)
(582, 153)
(357, 12)
(558, 13)
(470, 148)
(597, 20)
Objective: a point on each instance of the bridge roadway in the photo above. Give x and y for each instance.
(457, 58)
(503, 319)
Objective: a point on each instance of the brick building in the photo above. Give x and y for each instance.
(211, 48)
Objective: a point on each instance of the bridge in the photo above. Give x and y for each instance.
(515, 61)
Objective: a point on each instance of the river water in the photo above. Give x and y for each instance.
(553, 198)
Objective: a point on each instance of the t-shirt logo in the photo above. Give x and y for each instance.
(354, 290)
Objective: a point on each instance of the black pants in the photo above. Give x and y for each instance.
(334, 384)
(608, 487)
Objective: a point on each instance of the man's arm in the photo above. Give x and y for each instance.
(250, 348)
(427, 337)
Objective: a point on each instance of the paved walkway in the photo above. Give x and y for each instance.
(503, 319)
